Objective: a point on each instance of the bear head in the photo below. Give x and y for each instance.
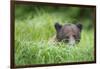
(68, 33)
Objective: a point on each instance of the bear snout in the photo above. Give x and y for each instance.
(71, 41)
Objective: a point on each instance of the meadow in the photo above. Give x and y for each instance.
(33, 31)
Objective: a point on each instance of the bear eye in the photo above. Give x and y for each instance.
(67, 37)
(74, 36)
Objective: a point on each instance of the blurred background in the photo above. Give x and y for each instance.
(62, 14)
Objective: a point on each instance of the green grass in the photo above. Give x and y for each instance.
(32, 47)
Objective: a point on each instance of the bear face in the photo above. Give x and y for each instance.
(68, 33)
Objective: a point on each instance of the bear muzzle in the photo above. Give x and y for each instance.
(71, 41)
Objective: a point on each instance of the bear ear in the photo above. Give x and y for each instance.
(57, 26)
(79, 26)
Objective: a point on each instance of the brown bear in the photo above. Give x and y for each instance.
(68, 33)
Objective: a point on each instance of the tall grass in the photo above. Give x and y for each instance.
(32, 47)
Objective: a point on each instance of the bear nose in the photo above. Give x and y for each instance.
(71, 41)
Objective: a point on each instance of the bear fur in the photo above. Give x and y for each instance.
(68, 33)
